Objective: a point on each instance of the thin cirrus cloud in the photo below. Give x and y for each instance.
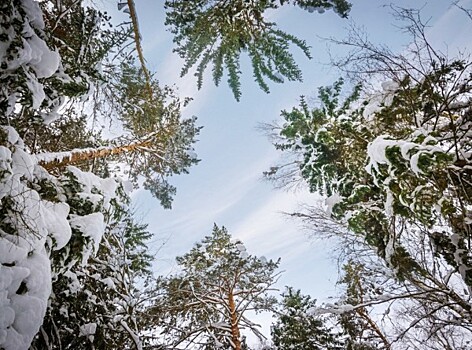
(451, 32)
(199, 203)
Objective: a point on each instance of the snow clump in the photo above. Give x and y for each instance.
(33, 227)
(29, 224)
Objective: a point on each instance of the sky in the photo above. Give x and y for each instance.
(226, 187)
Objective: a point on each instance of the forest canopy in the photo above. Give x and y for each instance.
(387, 146)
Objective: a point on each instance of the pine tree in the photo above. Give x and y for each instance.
(157, 142)
(205, 306)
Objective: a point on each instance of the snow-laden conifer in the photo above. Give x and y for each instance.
(208, 304)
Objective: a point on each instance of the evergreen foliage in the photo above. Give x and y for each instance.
(206, 305)
(21, 76)
(296, 328)
(394, 168)
(98, 303)
(215, 32)
(156, 121)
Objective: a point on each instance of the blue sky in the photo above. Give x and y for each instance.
(226, 187)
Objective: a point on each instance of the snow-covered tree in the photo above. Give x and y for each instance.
(409, 199)
(42, 215)
(99, 304)
(206, 305)
(34, 206)
(395, 167)
(52, 220)
(26, 61)
(296, 328)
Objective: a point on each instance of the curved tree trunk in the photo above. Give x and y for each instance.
(137, 40)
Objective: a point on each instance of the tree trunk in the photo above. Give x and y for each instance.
(139, 49)
(235, 334)
(56, 160)
(362, 312)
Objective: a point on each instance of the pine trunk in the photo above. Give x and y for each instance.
(139, 49)
(235, 334)
(51, 161)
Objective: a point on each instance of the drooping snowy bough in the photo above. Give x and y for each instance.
(51, 222)
(29, 224)
(40, 214)
(396, 168)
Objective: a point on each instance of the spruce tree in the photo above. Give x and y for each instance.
(216, 33)
(394, 169)
(296, 328)
(98, 303)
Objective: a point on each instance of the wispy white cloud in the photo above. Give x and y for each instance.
(450, 33)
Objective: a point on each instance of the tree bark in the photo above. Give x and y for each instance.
(56, 160)
(139, 49)
(365, 315)
(235, 333)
